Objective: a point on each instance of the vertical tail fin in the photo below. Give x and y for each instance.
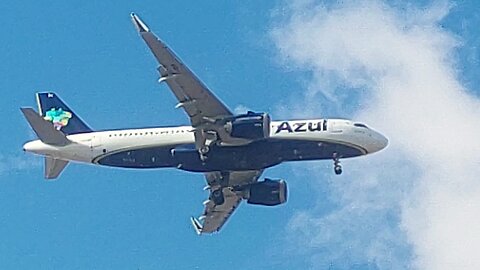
(53, 109)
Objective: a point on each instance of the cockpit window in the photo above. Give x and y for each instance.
(360, 125)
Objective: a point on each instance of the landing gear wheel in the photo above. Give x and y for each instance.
(204, 150)
(338, 170)
(217, 196)
(336, 164)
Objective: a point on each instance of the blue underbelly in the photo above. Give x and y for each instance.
(254, 156)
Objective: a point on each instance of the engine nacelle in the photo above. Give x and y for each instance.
(268, 192)
(250, 126)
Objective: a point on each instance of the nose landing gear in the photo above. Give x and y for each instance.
(203, 151)
(337, 167)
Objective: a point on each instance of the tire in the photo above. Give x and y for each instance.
(204, 150)
(217, 197)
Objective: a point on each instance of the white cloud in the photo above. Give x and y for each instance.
(416, 204)
(241, 109)
(14, 163)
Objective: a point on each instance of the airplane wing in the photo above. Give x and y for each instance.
(193, 96)
(215, 216)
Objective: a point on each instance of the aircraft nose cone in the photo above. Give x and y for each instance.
(379, 142)
(383, 141)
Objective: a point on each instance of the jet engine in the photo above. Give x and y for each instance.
(250, 126)
(268, 192)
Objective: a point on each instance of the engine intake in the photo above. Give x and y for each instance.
(268, 192)
(250, 126)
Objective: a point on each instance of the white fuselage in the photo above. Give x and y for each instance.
(88, 147)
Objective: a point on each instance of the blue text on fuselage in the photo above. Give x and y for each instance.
(307, 126)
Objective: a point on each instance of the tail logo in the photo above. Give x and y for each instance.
(58, 117)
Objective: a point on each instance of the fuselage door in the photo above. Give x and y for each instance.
(335, 126)
(96, 141)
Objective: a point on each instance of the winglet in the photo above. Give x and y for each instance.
(139, 24)
(196, 225)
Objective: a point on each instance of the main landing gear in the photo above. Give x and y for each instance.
(217, 196)
(337, 167)
(217, 186)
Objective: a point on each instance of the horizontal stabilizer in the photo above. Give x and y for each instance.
(44, 129)
(53, 167)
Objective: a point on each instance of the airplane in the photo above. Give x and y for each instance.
(232, 151)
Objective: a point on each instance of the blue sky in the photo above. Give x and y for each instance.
(102, 218)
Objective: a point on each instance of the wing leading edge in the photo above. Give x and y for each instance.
(193, 96)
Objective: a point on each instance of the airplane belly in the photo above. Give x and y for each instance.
(308, 150)
(186, 157)
(226, 158)
(149, 157)
(255, 156)
(261, 154)
(139, 151)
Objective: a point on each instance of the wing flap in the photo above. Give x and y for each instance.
(215, 216)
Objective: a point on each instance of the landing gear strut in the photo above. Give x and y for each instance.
(337, 167)
(203, 152)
